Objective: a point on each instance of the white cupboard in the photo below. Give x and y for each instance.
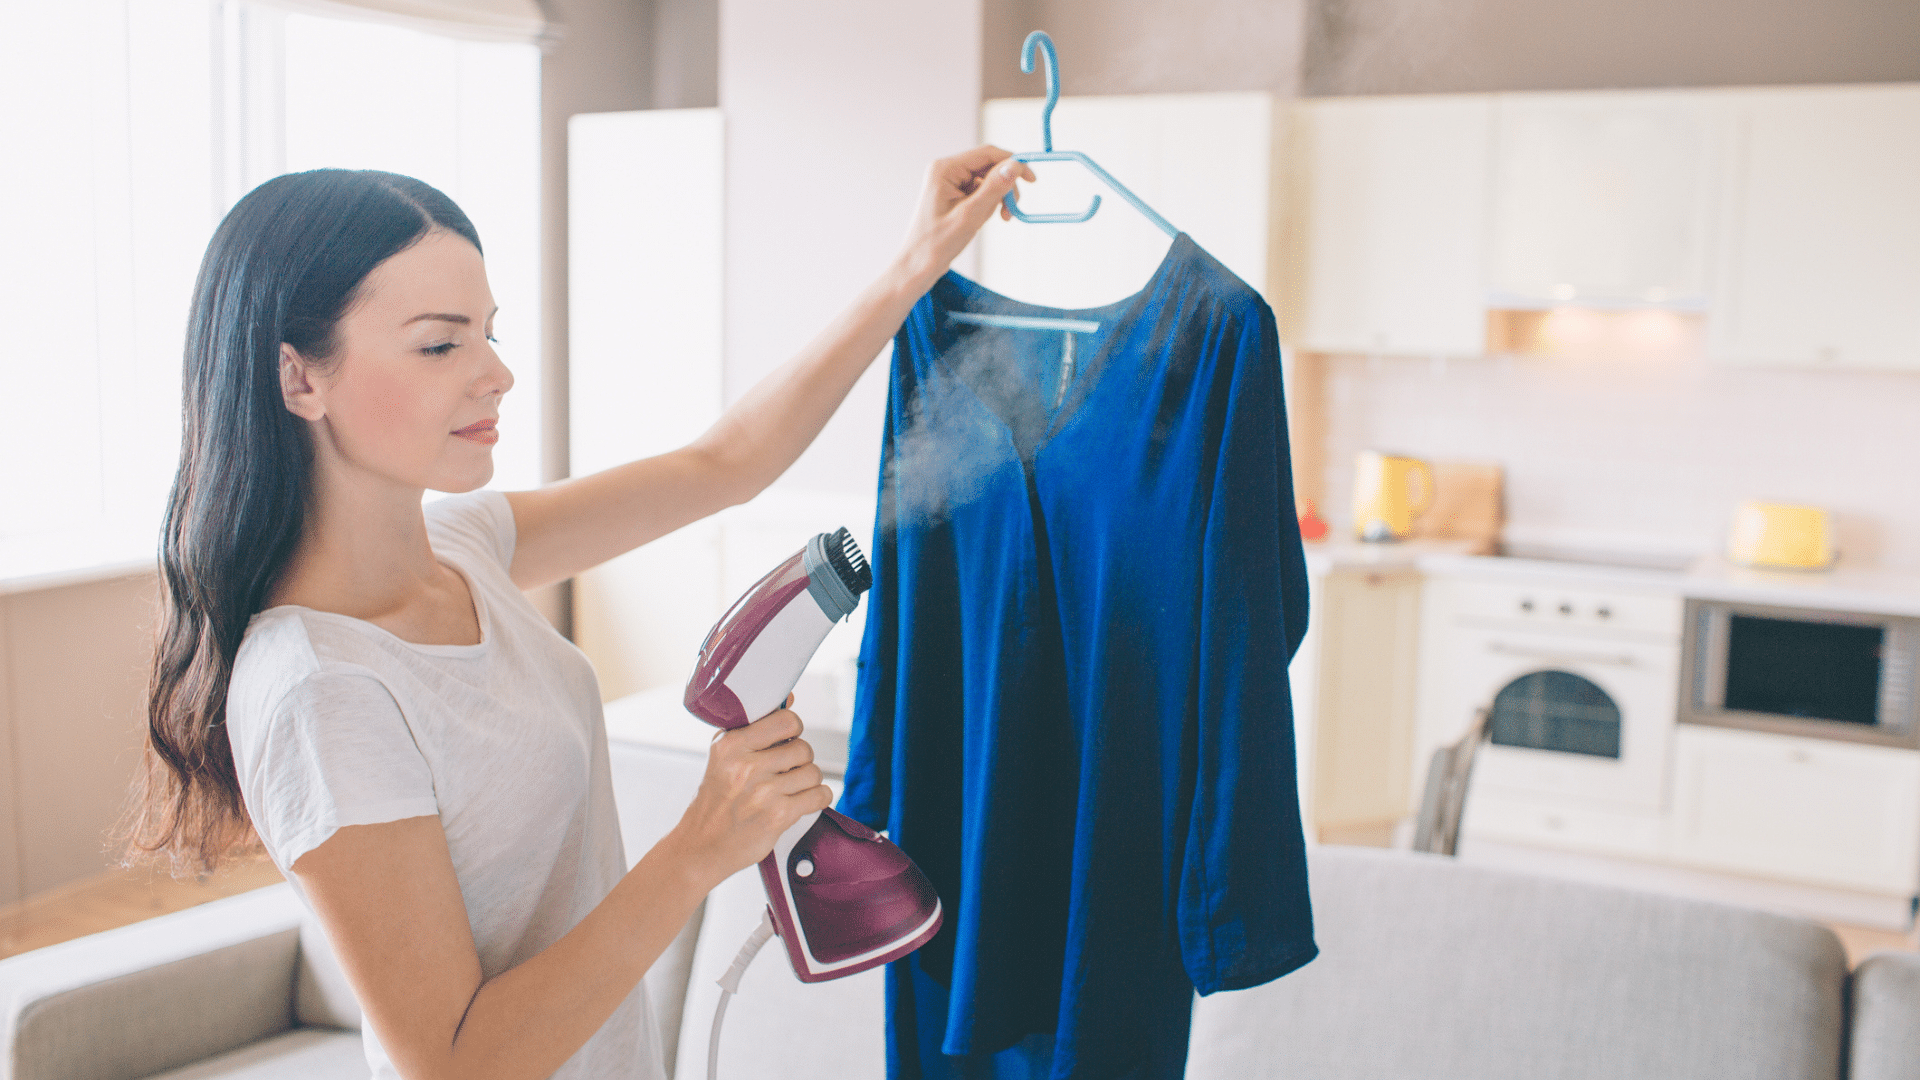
(1819, 259)
(1392, 230)
(1809, 810)
(644, 266)
(1601, 199)
(1354, 695)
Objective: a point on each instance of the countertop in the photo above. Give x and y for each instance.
(1858, 590)
(1327, 556)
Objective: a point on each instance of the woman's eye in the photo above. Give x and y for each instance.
(440, 350)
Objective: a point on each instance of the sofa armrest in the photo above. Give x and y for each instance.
(158, 994)
(1886, 1018)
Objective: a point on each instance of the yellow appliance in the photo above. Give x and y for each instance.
(1775, 536)
(1384, 498)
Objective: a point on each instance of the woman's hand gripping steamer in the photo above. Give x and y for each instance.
(840, 896)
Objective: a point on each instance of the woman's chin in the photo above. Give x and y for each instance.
(469, 479)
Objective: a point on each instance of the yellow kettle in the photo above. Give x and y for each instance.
(1384, 498)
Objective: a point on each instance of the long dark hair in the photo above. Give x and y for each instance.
(284, 266)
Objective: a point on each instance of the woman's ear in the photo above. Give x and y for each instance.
(297, 386)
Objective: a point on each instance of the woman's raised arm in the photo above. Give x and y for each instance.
(576, 524)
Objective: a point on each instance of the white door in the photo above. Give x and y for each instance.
(1601, 198)
(1393, 242)
(1820, 262)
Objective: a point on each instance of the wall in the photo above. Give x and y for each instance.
(1332, 47)
(1638, 443)
(1147, 46)
(73, 667)
(833, 113)
(686, 54)
(1433, 46)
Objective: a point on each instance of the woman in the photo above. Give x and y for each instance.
(357, 684)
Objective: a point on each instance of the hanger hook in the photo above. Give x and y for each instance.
(1040, 38)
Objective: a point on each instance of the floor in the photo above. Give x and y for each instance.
(116, 898)
(1859, 941)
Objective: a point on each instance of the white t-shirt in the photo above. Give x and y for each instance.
(335, 722)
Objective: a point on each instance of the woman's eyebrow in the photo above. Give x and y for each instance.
(461, 319)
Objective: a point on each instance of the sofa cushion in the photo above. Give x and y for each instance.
(300, 1054)
(322, 997)
(1886, 1018)
(1433, 969)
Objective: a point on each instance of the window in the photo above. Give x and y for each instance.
(131, 126)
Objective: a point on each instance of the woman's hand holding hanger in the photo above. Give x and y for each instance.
(960, 194)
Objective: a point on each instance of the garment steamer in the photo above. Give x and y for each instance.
(840, 896)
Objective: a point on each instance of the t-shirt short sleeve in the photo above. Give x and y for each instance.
(480, 522)
(337, 751)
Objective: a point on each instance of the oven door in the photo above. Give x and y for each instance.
(1571, 717)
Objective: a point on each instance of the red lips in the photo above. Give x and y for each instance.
(482, 431)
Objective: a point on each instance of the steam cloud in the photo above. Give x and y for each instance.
(951, 442)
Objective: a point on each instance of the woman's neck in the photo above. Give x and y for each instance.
(364, 553)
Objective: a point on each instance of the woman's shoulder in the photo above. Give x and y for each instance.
(477, 522)
(284, 655)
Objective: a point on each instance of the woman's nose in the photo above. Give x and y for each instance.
(496, 379)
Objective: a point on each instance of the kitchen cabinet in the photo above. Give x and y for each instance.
(1819, 257)
(1568, 825)
(1601, 199)
(1805, 810)
(1391, 235)
(1357, 668)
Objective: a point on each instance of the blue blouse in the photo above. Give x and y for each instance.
(1073, 706)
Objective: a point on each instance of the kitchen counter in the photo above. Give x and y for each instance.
(1871, 592)
(1326, 556)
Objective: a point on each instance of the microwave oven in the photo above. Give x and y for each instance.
(1801, 671)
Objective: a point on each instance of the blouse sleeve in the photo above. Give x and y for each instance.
(1244, 913)
(337, 751)
(478, 521)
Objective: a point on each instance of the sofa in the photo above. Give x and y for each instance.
(1429, 970)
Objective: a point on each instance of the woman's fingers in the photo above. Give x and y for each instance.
(962, 191)
(800, 780)
(786, 756)
(770, 730)
(985, 200)
(979, 159)
(811, 800)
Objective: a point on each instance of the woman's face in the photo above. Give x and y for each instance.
(414, 386)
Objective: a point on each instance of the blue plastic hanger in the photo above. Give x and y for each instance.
(1066, 327)
(1040, 38)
